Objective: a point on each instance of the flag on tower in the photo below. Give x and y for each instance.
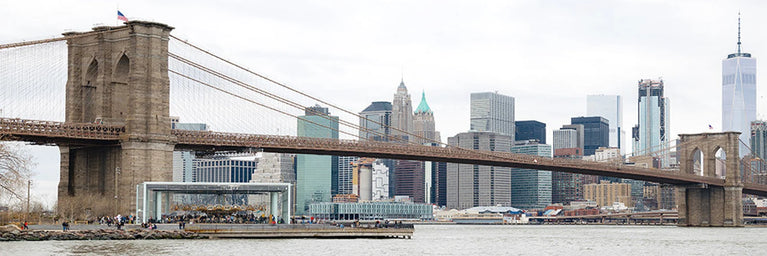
(121, 17)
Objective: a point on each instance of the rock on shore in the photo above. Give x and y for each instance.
(101, 234)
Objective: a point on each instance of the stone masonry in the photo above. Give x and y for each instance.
(117, 75)
(703, 206)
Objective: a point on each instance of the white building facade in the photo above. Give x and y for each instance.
(492, 112)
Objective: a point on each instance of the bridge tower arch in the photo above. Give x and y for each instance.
(117, 75)
(701, 206)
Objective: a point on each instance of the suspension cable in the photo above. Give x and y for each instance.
(244, 85)
(305, 94)
(275, 97)
(252, 101)
(267, 94)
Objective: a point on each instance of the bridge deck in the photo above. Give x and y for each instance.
(47, 132)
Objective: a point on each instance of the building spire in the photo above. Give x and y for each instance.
(738, 33)
(423, 107)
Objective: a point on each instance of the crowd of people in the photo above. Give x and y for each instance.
(243, 217)
(118, 221)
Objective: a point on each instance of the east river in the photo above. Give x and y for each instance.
(445, 240)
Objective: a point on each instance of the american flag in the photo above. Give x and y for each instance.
(121, 17)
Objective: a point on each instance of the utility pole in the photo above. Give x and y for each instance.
(29, 184)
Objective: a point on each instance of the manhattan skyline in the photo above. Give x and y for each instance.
(547, 56)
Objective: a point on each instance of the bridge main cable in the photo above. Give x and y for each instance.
(262, 92)
(253, 101)
(198, 66)
(55, 39)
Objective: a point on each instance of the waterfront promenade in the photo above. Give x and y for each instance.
(213, 230)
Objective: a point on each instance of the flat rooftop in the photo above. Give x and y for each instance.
(216, 187)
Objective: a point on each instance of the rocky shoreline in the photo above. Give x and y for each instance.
(101, 234)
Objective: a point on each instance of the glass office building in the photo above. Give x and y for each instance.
(531, 188)
(611, 108)
(739, 93)
(530, 130)
(316, 175)
(653, 133)
(596, 133)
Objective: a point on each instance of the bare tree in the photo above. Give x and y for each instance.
(15, 171)
(84, 207)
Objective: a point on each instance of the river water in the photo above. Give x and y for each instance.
(445, 240)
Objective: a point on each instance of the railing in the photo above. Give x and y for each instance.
(293, 143)
(87, 131)
(23, 127)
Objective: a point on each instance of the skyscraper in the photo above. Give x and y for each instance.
(611, 108)
(739, 93)
(346, 174)
(402, 113)
(434, 176)
(439, 183)
(470, 185)
(567, 187)
(569, 136)
(316, 176)
(380, 181)
(423, 123)
(375, 124)
(183, 166)
(653, 133)
(759, 138)
(410, 180)
(530, 130)
(272, 168)
(492, 112)
(531, 188)
(375, 121)
(596, 132)
(566, 138)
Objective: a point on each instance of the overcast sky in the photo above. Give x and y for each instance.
(547, 54)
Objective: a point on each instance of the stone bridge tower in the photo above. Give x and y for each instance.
(117, 75)
(701, 206)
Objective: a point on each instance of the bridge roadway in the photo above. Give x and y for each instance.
(53, 133)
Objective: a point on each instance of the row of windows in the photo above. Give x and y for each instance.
(212, 163)
(746, 79)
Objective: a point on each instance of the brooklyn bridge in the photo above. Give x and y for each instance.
(117, 116)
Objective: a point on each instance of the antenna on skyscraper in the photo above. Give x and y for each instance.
(402, 73)
(738, 33)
